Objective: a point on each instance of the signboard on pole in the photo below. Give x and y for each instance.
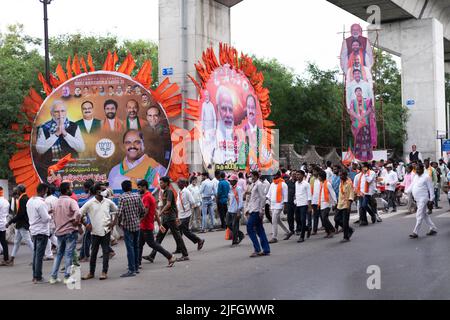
(446, 146)
(167, 72)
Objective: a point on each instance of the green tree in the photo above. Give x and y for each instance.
(20, 62)
(63, 46)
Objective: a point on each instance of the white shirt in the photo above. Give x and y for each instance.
(266, 185)
(422, 188)
(332, 199)
(234, 206)
(207, 189)
(383, 172)
(315, 194)
(50, 201)
(272, 196)
(184, 203)
(112, 124)
(391, 178)
(371, 178)
(38, 216)
(195, 191)
(88, 124)
(100, 215)
(4, 211)
(134, 124)
(43, 145)
(329, 172)
(257, 198)
(303, 193)
(215, 183)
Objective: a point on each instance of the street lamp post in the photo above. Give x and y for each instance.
(47, 58)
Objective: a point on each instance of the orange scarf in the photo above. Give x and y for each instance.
(279, 183)
(366, 187)
(236, 196)
(18, 201)
(118, 127)
(326, 192)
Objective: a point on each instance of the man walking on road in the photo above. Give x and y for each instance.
(22, 224)
(223, 189)
(255, 211)
(303, 203)
(185, 205)
(39, 228)
(422, 190)
(131, 210)
(100, 211)
(278, 196)
(148, 226)
(170, 220)
(67, 220)
(391, 180)
(346, 198)
(235, 205)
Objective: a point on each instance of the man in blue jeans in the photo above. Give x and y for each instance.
(255, 213)
(39, 220)
(223, 191)
(131, 210)
(207, 192)
(67, 219)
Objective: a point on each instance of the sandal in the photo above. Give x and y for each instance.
(186, 258)
(172, 262)
(255, 255)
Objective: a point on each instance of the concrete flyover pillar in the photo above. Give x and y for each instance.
(420, 45)
(186, 29)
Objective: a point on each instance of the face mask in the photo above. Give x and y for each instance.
(104, 193)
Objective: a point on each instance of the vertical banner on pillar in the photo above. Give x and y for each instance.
(356, 62)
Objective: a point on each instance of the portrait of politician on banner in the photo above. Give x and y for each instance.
(109, 124)
(231, 121)
(356, 62)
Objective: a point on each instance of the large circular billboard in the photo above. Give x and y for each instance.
(110, 124)
(231, 120)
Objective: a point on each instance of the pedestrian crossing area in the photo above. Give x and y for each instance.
(403, 215)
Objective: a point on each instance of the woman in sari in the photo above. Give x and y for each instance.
(364, 126)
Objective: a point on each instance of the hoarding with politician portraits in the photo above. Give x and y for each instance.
(112, 127)
(231, 120)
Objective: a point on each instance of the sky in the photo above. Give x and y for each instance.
(294, 32)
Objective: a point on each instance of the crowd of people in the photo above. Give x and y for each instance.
(54, 218)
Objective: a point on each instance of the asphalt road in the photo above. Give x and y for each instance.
(317, 269)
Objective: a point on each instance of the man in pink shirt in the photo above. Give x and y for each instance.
(67, 219)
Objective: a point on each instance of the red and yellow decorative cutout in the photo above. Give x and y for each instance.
(166, 95)
(232, 112)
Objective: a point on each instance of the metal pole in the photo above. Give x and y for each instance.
(47, 58)
(184, 49)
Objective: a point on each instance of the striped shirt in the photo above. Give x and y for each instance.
(131, 210)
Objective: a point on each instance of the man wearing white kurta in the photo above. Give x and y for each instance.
(277, 207)
(303, 203)
(423, 192)
(368, 187)
(390, 182)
